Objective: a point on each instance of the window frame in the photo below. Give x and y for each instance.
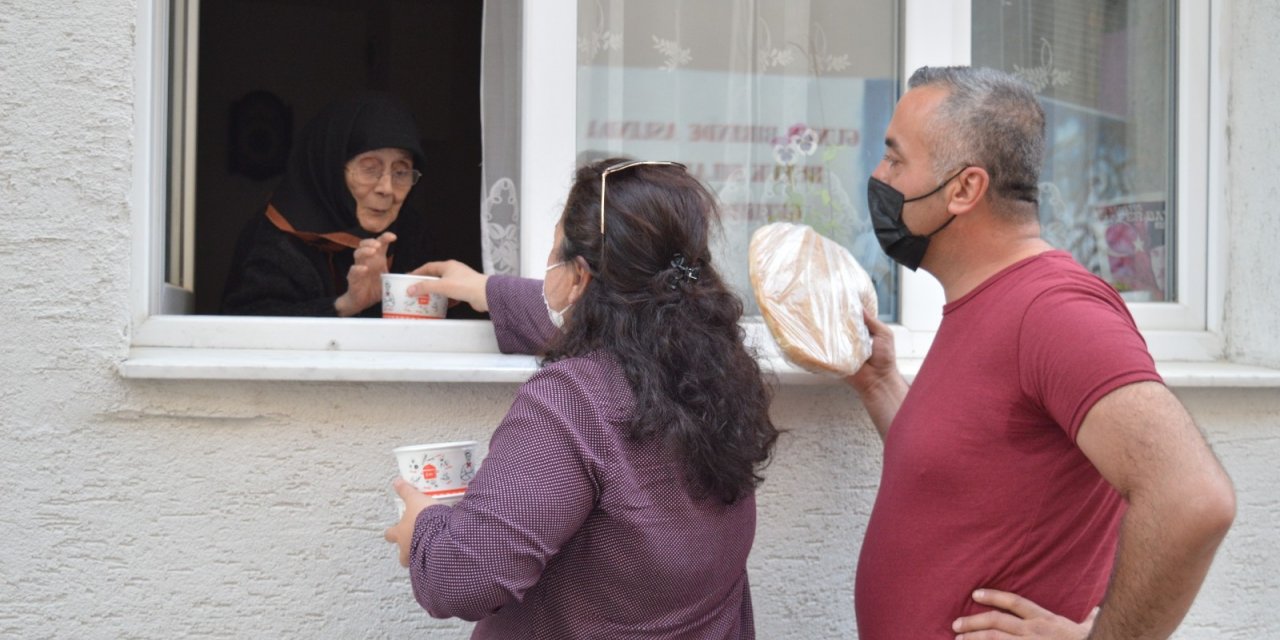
(165, 345)
(157, 306)
(1188, 329)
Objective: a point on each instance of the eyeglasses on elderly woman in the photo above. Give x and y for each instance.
(371, 174)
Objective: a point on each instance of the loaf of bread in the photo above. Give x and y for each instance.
(812, 293)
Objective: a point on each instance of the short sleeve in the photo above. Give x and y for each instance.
(1077, 343)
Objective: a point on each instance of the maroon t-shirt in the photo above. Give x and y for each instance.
(983, 484)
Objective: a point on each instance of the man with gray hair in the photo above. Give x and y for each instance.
(1037, 467)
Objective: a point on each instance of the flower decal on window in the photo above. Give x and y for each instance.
(677, 56)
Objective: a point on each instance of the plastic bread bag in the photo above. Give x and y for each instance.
(812, 293)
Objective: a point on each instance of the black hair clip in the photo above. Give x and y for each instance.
(683, 271)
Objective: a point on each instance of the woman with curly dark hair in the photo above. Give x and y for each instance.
(618, 497)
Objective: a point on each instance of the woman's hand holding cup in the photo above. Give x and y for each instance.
(401, 533)
(457, 281)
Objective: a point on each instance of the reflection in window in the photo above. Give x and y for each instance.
(779, 106)
(1103, 70)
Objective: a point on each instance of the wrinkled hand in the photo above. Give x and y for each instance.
(457, 281)
(883, 361)
(1017, 617)
(401, 533)
(364, 278)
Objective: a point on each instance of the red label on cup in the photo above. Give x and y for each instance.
(424, 300)
(428, 472)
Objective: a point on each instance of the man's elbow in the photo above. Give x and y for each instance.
(1224, 511)
(1213, 508)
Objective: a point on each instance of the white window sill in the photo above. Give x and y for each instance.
(345, 366)
(383, 366)
(1175, 374)
(374, 350)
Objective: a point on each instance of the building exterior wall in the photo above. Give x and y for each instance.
(1253, 135)
(136, 508)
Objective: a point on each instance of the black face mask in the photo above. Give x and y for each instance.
(885, 204)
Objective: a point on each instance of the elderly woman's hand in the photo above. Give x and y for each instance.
(457, 281)
(364, 279)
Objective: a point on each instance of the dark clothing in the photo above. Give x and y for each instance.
(573, 529)
(276, 272)
(313, 194)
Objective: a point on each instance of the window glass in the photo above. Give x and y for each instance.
(1104, 72)
(779, 106)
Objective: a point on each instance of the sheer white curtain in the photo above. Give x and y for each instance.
(779, 106)
(500, 126)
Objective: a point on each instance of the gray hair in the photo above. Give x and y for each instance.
(989, 119)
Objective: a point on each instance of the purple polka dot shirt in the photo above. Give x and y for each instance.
(572, 530)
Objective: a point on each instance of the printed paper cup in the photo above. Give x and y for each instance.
(397, 304)
(440, 470)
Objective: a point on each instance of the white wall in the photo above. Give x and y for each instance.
(1253, 190)
(155, 509)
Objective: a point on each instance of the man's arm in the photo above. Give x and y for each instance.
(879, 384)
(1181, 504)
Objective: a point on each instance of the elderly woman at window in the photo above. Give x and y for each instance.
(326, 235)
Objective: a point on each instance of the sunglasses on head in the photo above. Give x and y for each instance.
(620, 167)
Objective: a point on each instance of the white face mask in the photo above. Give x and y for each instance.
(557, 317)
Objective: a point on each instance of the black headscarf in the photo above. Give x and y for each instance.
(313, 195)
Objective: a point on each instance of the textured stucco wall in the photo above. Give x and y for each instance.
(154, 509)
(1253, 302)
(1238, 601)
